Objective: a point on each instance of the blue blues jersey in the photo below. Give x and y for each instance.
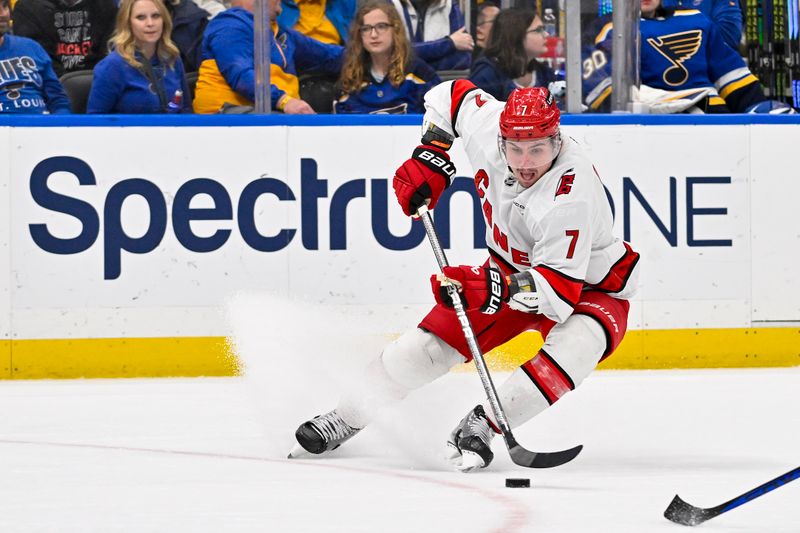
(118, 87)
(383, 97)
(28, 83)
(679, 50)
(726, 14)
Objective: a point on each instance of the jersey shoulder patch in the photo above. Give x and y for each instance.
(565, 183)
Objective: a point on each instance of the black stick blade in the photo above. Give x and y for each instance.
(530, 459)
(686, 514)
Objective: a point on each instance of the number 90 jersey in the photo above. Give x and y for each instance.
(560, 228)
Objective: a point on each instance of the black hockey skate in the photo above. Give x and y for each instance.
(322, 434)
(470, 442)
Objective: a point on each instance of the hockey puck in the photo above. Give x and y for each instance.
(518, 482)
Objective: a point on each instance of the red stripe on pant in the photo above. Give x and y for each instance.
(549, 378)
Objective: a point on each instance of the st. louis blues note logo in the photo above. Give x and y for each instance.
(677, 48)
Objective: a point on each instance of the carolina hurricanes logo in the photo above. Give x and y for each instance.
(677, 48)
(478, 100)
(565, 185)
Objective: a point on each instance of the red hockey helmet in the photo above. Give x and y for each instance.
(530, 113)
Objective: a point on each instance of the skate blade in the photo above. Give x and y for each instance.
(470, 461)
(452, 453)
(297, 451)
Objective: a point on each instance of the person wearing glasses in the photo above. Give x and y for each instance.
(487, 12)
(380, 73)
(510, 60)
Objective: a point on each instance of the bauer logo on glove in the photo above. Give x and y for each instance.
(480, 288)
(422, 178)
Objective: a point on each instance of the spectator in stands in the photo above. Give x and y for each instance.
(380, 74)
(227, 76)
(144, 72)
(188, 24)
(212, 7)
(509, 61)
(484, 22)
(73, 32)
(437, 33)
(726, 14)
(682, 54)
(324, 20)
(28, 83)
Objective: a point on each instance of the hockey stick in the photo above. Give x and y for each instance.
(519, 455)
(681, 512)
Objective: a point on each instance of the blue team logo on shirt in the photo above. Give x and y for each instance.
(677, 48)
(16, 71)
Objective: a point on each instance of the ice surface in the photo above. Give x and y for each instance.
(192, 455)
(208, 455)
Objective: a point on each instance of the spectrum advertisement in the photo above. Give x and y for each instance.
(107, 226)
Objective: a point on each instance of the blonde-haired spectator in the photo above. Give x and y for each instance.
(144, 72)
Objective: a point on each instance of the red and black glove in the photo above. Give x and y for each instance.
(424, 176)
(479, 287)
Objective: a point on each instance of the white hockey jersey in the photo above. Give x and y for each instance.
(559, 228)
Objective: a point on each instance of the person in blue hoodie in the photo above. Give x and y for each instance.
(227, 68)
(380, 74)
(510, 60)
(28, 83)
(144, 73)
(327, 21)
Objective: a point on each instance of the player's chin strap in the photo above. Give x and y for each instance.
(518, 454)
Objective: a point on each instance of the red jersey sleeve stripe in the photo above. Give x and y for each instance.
(620, 272)
(458, 93)
(567, 288)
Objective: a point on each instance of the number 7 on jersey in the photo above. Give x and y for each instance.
(572, 234)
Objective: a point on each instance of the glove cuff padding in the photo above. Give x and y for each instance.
(521, 282)
(522, 294)
(436, 160)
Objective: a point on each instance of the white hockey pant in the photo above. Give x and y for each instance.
(413, 360)
(572, 350)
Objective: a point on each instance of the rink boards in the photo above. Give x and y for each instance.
(123, 245)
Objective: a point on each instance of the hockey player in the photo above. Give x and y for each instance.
(553, 266)
(680, 49)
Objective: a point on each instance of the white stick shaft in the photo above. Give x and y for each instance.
(466, 326)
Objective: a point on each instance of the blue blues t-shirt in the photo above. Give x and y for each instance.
(28, 83)
(381, 97)
(118, 87)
